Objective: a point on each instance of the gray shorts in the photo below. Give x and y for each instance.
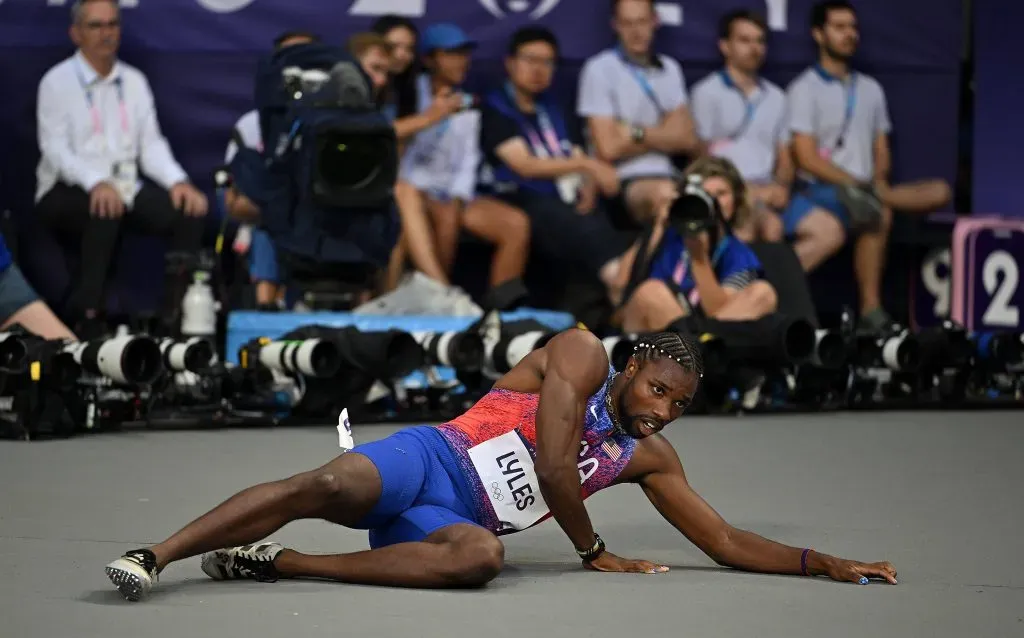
(15, 292)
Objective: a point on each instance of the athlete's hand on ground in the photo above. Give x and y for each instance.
(860, 573)
(609, 562)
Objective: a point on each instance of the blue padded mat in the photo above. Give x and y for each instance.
(245, 326)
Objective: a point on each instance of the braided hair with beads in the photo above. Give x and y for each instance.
(681, 348)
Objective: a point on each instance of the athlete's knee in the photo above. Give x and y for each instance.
(337, 483)
(475, 561)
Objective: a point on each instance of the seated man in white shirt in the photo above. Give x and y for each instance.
(742, 117)
(97, 131)
(634, 102)
(438, 169)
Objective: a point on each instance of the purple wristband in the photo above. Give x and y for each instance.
(803, 562)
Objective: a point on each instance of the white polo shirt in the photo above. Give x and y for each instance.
(844, 117)
(248, 127)
(745, 129)
(614, 88)
(80, 144)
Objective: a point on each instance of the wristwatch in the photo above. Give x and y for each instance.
(637, 133)
(593, 551)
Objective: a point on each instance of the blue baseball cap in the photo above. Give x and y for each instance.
(445, 37)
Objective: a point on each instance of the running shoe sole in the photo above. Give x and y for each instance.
(130, 578)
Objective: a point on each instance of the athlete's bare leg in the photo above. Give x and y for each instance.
(455, 556)
(342, 491)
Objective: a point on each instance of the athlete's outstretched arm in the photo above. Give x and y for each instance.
(667, 488)
(576, 367)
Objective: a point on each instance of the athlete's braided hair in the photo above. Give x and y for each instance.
(678, 347)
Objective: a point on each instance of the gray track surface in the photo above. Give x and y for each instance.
(941, 495)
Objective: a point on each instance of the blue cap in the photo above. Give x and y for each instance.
(445, 37)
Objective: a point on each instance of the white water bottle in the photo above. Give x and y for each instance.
(199, 308)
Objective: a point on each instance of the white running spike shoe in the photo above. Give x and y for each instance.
(254, 562)
(134, 574)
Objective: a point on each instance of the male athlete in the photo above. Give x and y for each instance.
(557, 428)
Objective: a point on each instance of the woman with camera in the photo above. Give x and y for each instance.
(709, 272)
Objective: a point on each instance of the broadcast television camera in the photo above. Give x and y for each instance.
(324, 182)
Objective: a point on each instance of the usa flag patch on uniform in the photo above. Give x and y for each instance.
(612, 449)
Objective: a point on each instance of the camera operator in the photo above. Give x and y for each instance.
(709, 272)
(373, 54)
(249, 240)
(19, 303)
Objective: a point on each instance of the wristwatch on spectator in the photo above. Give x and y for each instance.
(637, 134)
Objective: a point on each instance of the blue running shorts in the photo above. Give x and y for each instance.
(422, 488)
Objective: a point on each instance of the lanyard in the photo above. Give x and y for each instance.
(851, 102)
(548, 137)
(750, 105)
(97, 119)
(683, 265)
(642, 80)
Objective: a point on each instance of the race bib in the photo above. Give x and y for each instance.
(126, 176)
(506, 469)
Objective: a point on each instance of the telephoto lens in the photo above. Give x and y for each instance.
(126, 359)
(318, 358)
(508, 351)
(460, 350)
(13, 352)
(695, 210)
(192, 355)
(829, 350)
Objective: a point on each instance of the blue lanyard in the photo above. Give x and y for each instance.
(751, 106)
(642, 80)
(851, 102)
(548, 137)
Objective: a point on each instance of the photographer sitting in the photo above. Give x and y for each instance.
(710, 272)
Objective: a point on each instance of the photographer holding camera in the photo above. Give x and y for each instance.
(694, 263)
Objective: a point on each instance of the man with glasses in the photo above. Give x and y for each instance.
(98, 136)
(533, 160)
